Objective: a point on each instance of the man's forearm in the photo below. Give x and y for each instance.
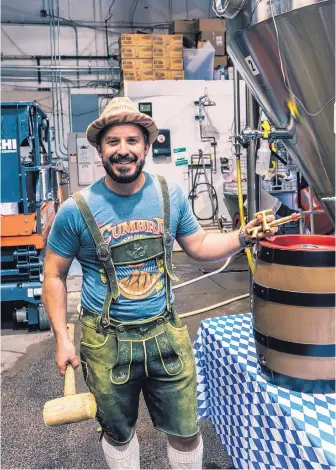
(55, 304)
(218, 246)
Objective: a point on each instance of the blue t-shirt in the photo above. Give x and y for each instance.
(142, 287)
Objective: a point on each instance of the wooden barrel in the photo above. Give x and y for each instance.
(294, 312)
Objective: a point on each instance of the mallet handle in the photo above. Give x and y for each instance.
(69, 379)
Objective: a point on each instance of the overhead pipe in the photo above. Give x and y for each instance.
(58, 88)
(55, 67)
(280, 133)
(253, 189)
(48, 57)
(253, 183)
(71, 24)
(39, 71)
(90, 24)
(56, 113)
(53, 85)
(47, 79)
(236, 107)
(96, 37)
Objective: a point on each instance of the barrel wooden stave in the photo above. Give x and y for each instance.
(295, 278)
(300, 367)
(294, 323)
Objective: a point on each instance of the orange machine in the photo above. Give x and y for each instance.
(28, 206)
(21, 229)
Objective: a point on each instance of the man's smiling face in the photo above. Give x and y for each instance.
(123, 150)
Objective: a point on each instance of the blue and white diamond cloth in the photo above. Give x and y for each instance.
(260, 425)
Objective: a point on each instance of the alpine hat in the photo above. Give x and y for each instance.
(121, 110)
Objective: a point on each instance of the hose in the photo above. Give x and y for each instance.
(212, 307)
(209, 188)
(191, 281)
(213, 199)
(241, 213)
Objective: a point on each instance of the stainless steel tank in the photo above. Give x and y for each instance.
(302, 33)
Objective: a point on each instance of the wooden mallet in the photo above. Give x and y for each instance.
(73, 407)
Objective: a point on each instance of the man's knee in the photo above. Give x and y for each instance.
(184, 444)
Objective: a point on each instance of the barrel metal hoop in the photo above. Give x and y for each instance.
(299, 299)
(297, 384)
(299, 349)
(313, 259)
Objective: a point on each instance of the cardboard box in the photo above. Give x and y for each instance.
(182, 26)
(160, 39)
(161, 74)
(189, 40)
(146, 75)
(221, 60)
(145, 52)
(213, 30)
(167, 51)
(128, 52)
(129, 64)
(160, 51)
(131, 75)
(217, 39)
(160, 63)
(145, 64)
(175, 51)
(137, 64)
(144, 39)
(175, 75)
(176, 63)
(169, 75)
(136, 52)
(176, 40)
(213, 24)
(127, 39)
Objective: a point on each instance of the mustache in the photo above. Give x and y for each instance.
(119, 159)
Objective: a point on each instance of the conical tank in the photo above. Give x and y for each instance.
(288, 46)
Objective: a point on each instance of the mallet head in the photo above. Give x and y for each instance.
(70, 409)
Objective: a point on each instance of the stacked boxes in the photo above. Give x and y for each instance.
(151, 57)
(213, 30)
(188, 29)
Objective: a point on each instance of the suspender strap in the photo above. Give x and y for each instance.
(167, 239)
(104, 255)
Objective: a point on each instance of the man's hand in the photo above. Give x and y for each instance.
(65, 354)
(258, 221)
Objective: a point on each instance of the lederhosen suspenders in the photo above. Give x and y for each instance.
(134, 251)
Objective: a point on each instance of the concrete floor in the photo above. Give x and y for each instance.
(30, 378)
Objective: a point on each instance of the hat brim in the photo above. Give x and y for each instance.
(122, 118)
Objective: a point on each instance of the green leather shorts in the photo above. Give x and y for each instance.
(153, 356)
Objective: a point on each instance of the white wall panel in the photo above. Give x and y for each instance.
(174, 109)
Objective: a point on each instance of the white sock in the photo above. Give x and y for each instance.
(125, 456)
(191, 460)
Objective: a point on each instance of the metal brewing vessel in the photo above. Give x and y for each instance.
(306, 44)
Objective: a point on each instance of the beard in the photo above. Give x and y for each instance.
(123, 175)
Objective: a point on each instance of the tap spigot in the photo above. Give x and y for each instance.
(265, 225)
(253, 232)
